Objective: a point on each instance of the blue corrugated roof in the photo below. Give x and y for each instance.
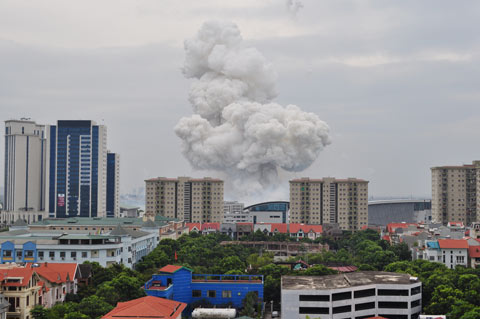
(433, 244)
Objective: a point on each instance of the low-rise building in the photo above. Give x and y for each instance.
(450, 252)
(281, 248)
(118, 246)
(147, 308)
(22, 288)
(178, 283)
(351, 295)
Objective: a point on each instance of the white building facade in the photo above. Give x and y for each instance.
(352, 295)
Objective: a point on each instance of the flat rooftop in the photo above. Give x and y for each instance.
(353, 279)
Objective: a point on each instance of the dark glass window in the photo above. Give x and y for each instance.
(393, 304)
(392, 292)
(416, 290)
(196, 293)
(364, 293)
(341, 309)
(415, 303)
(314, 310)
(364, 306)
(342, 296)
(212, 294)
(314, 298)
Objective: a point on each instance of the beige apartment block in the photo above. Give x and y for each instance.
(191, 199)
(329, 200)
(454, 193)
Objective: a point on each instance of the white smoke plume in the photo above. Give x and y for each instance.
(236, 129)
(293, 6)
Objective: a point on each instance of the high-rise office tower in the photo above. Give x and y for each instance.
(455, 193)
(113, 184)
(77, 170)
(329, 200)
(25, 160)
(193, 200)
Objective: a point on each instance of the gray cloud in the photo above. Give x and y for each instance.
(396, 81)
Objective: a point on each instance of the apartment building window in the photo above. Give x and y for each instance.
(364, 293)
(73, 254)
(40, 254)
(226, 294)
(51, 254)
(415, 291)
(84, 254)
(460, 259)
(415, 303)
(28, 300)
(212, 294)
(62, 254)
(196, 293)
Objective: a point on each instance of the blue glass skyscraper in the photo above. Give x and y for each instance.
(113, 183)
(77, 169)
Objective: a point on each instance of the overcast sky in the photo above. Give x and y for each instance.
(398, 82)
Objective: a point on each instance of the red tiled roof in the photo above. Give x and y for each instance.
(474, 251)
(386, 237)
(215, 226)
(147, 307)
(191, 226)
(56, 272)
(295, 228)
(392, 226)
(344, 269)
(453, 243)
(457, 224)
(24, 274)
(171, 268)
(278, 228)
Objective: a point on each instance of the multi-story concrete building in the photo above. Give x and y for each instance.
(383, 212)
(190, 199)
(114, 245)
(25, 163)
(113, 184)
(232, 207)
(329, 200)
(57, 171)
(352, 295)
(455, 194)
(450, 252)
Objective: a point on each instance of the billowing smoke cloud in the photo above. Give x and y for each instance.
(236, 129)
(293, 6)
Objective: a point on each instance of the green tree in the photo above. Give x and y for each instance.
(249, 304)
(39, 312)
(76, 315)
(94, 307)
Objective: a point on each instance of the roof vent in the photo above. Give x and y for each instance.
(413, 278)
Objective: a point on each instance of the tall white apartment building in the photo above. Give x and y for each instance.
(455, 193)
(193, 200)
(25, 163)
(329, 200)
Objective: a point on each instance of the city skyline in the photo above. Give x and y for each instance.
(397, 93)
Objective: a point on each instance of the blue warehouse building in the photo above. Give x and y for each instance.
(179, 284)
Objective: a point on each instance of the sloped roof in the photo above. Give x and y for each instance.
(278, 228)
(24, 274)
(172, 269)
(453, 243)
(56, 272)
(295, 228)
(194, 225)
(149, 224)
(392, 226)
(20, 223)
(474, 251)
(119, 231)
(85, 271)
(147, 307)
(215, 226)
